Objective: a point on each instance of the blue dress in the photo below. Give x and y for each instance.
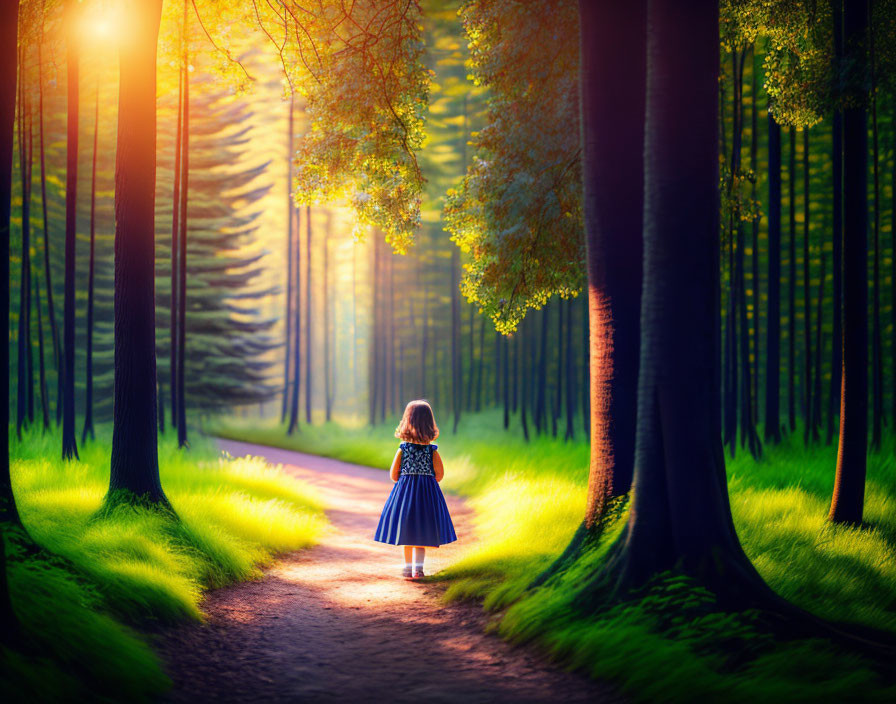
(415, 512)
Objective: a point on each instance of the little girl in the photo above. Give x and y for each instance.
(415, 514)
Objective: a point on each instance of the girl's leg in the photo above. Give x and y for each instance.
(408, 570)
(419, 556)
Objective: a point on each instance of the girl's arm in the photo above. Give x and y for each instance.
(396, 466)
(437, 465)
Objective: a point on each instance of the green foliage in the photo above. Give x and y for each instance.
(359, 67)
(799, 53)
(135, 564)
(227, 336)
(518, 212)
(673, 644)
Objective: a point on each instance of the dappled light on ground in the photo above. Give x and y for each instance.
(337, 622)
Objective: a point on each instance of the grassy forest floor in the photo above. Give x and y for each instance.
(82, 599)
(529, 499)
(336, 623)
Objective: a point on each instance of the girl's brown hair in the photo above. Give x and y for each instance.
(418, 425)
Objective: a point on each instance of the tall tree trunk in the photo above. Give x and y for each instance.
(391, 387)
(479, 365)
(175, 249)
(837, 238)
(382, 332)
(893, 282)
(505, 386)
(613, 109)
(42, 370)
(24, 392)
(773, 316)
(328, 398)
(811, 432)
(69, 444)
(747, 429)
(26, 227)
(309, 386)
(680, 518)
(456, 378)
(9, 28)
(297, 327)
(51, 310)
(571, 372)
(160, 402)
(496, 370)
(355, 319)
(373, 352)
(424, 345)
(585, 352)
(877, 368)
(524, 353)
(88, 392)
(735, 259)
(471, 374)
(849, 484)
(515, 397)
(560, 343)
(819, 347)
(791, 286)
(290, 219)
(729, 371)
(754, 281)
(135, 465)
(542, 374)
(182, 245)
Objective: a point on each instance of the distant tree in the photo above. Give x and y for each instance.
(836, 235)
(328, 395)
(849, 485)
(182, 262)
(175, 251)
(297, 327)
(69, 444)
(309, 385)
(225, 335)
(9, 25)
(290, 236)
(791, 284)
(42, 371)
(25, 386)
(88, 395)
(456, 365)
(811, 431)
(773, 314)
(135, 465)
(877, 370)
(51, 310)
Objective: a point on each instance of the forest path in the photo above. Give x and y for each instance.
(337, 623)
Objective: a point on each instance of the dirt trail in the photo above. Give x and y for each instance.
(337, 623)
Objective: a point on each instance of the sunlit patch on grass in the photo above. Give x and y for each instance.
(135, 564)
(529, 500)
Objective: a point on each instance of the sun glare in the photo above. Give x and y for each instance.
(101, 23)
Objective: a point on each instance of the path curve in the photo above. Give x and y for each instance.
(335, 622)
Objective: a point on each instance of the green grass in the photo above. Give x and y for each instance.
(529, 500)
(135, 566)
